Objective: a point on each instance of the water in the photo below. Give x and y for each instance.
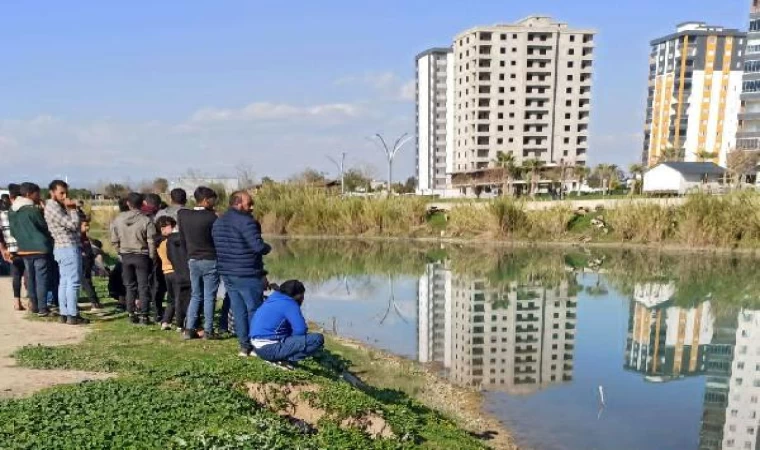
(573, 349)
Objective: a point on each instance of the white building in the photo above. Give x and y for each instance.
(748, 137)
(435, 119)
(695, 81)
(683, 177)
(743, 410)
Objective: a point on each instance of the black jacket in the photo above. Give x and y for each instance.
(195, 231)
(178, 257)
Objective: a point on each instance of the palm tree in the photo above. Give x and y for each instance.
(637, 170)
(670, 153)
(583, 173)
(704, 155)
(533, 166)
(506, 161)
(606, 172)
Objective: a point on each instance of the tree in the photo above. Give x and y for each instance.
(245, 176)
(267, 180)
(637, 171)
(355, 179)
(160, 186)
(114, 190)
(670, 153)
(583, 173)
(740, 163)
(506, 161)
(607, 173)
(704, 155)
(309, 176)
(533, 167)
(411, 185)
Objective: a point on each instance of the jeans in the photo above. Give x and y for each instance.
(37, 267)
(136, 271)
(204, 284)
(17, 272)
(246, 295)
(69, 261)
(292, 348)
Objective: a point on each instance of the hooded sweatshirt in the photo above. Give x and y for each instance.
(277, 318)
(29, 228)
(133, 233)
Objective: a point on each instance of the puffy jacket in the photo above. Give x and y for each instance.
(132, 232)
(277, 318)
(29, 228)
(239, 246)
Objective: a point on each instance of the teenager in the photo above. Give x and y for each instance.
(88, 264)
(178, 281)
(178, 199)
(133, 237)
(9, 247)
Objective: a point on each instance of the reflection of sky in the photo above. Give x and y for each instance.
(359, 304)
(639, 415)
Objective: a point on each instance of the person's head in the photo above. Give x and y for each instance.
(5, 202)
(14, 190)
(84, 226)
(241, 201)
(30, 191)
(153, 200)
(59, 190)
(122, 203)
(293, 289)
(165, 225)
(135, 201)
(205, 197)
(178, 197)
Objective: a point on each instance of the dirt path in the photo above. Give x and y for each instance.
(16, 332)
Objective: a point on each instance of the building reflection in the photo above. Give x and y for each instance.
(509, 336)
(666, 342)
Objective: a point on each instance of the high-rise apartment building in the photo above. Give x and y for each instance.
(695, 78)
(522, 89)
(748, 137)
(435, 79)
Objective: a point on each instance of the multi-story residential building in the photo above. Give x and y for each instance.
(522, 89)
(748, 137)
(434, 314)
(435, 96)
(695, 78)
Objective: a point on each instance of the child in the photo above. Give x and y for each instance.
(175, 268)
(88, 262)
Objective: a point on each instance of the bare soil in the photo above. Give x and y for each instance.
(16, 332)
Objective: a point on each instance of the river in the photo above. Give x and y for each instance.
(572, 348)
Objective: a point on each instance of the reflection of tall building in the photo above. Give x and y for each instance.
(666, 342)
(516, 337)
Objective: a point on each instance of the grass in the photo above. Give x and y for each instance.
(190, 395)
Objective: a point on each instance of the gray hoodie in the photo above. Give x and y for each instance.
(133, 233)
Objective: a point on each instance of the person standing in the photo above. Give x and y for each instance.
(179, 201)
(133, 237)
(88, 264)
(239, 251)
(9, 247)
(35, 245)
(195, 233)
(179, 281)
(62, 218)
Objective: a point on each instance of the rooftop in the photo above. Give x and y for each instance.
(694, 168)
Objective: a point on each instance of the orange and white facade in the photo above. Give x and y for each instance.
(695, 84)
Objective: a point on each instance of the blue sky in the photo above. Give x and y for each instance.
(128, 91)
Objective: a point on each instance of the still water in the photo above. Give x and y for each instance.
(573, 349)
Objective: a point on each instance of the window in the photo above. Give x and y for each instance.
(572, 38)
(502, 64)
(501, 77)
(567, 140)
(569, 90)
(501, 115)
(754, 25)
(513, 76)
(512, 89)
(569, 103)
(511, 140)
(499, 141)
(571, 51)
(511, 115)
(514, 50)
(569, 64)
(514, 36)
(569, 78)
(740, 365)
(511, 128)
(501, 90)
(500, 128)
(503, 37)
(567, 116)
(751, 86)
(567, 127)
(739, 381)
(511, 102)
(501, 102)
(514, 63)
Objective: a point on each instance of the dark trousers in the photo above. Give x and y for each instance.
(54, 279)
(37, 273)
(292, 348)
(88, 288)
(136, 270)
(246, 295)
(160, 290)
(224, 314)
(17, 272)
(180, 293)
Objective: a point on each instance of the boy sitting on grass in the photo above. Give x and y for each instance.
(278, 329)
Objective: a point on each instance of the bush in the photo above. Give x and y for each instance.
(642, 222)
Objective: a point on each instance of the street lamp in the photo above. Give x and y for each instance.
(340, 165)
(390, 153)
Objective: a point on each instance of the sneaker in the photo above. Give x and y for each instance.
(166, 327)
(144, 321)
(77, 320)
(210, 336)
(96, 306)
(43, 313)
(134, 319)
(63, 319)
(190, 334)
(282, 365)
(243, 354)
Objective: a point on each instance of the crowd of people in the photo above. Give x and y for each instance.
(164, 252)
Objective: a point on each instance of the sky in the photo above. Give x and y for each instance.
(125, 91)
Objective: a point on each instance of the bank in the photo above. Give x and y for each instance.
(166, 393)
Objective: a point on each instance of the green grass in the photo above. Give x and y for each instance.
(189, 395)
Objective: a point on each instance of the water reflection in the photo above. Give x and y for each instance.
(574, 349)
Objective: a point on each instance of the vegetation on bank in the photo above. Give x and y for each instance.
(731, 220)
(199, 394)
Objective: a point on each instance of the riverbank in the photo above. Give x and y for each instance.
(166, 393)
(698, 221)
